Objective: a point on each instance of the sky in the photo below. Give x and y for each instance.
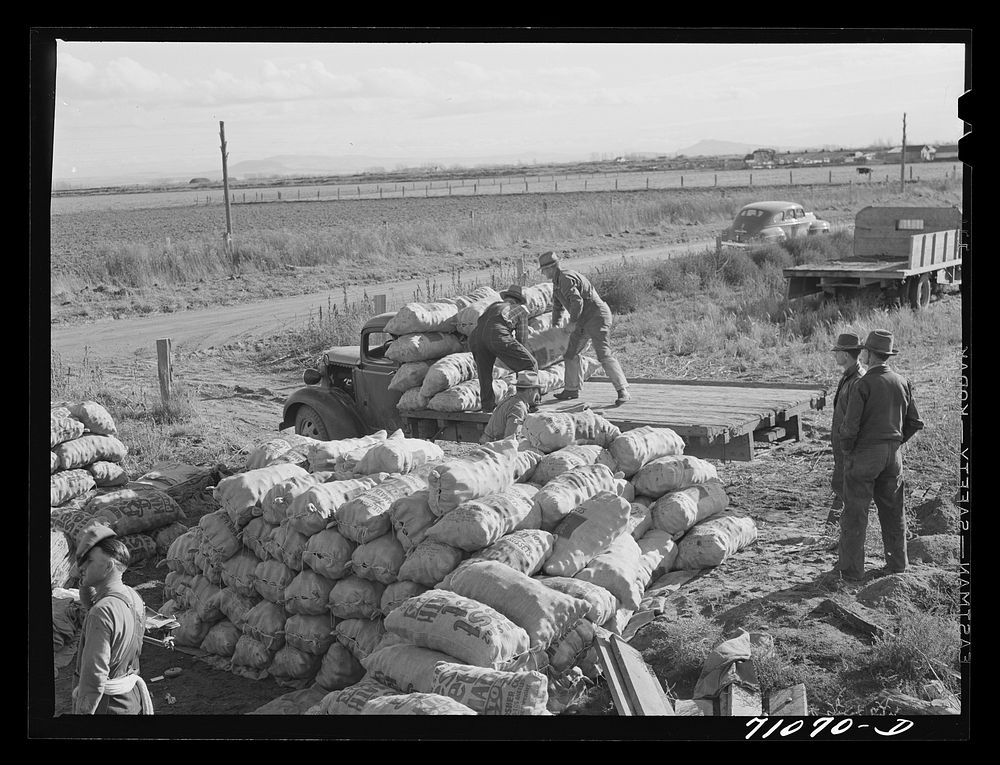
(155, 107)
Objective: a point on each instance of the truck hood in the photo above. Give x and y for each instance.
(345, 355)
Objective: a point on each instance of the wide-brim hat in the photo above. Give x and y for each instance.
(513, 291)
(847, 341)
(527, 380)
(89, 537)
(880, 341)
(547, 259)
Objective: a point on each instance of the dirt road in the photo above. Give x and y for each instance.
(193, 330)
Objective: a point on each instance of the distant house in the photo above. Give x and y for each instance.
(913, 154)
(948, 152)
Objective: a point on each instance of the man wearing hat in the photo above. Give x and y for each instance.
(500, 333)
(508, 417)
(107, 670)
(846, 351)
(881, 416)
(589, 319)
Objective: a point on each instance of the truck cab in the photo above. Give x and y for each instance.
(347, 395)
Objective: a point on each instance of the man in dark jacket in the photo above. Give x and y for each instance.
(589, 319)
(846, 350)
(881, 416)
(500, 333)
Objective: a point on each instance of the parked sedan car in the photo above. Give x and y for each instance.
(770, 222)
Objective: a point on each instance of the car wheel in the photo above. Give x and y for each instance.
(920, 291)
(309, 423)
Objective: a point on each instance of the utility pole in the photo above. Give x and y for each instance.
(225, 186)
(902, 159)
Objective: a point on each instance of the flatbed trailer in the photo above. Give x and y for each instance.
(717, 419)
(891, 254)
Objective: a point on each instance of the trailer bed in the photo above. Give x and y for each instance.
(716, 419)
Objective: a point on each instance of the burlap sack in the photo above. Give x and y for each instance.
(271, 577)
(53, 462)
(165, 537)
(397, 592)
(485, 470)
(423, 317)
(310, 633)
(409, 375)
(399, 455)
(296, 702)
(640, 517)
(220, 539)
(266, 622)
(275, 503)
(293, 668)
(527, 462)
(359, 636)
(538, 298)
(423, 346)
(479, 523)
(221, 639)
(61, 560)
(638, 446)
(465, 396)
(415, 704)
(379, 559)
(108, 473)
(287, 545)
(308, 593)
(63, 429)
(621, 570)
(410, 517)
(192, 630)
(659, 550)
(236, 606)
(711, 542)
(544, 613)
(324, 455)
(239, 494)
(179, 481)
(492, 692)
(468, 630)
(475, 295)
(570, 490)
(352, 699)
(549, 431)
(141, 549)
(328, 553)
(405, 667)
(672, 473)
(338, 670)
(70, 521)
(678, 511)
(366, 516)
(84, 450)
(180, 555)
(412, 400)
(586, 532)
(238, 572)
(563, 460)
(131, 511)
(94, 417)
(540, 322)
(429, 562)
(602, 603)
(313, 509)
(175, 587)
(448, 372)
(548, 345)
(251, 658)
(255, 536)
(467, 318)
(524, 550)
(67, 484)
(356, 598)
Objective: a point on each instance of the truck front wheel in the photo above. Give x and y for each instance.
(920, 291)
(309, 423)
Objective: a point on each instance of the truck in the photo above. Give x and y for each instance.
(907, 254)
(346, 395)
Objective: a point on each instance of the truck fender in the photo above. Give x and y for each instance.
(335, 407)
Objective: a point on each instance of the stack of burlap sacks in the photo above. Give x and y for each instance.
(376, 576)
(438, 372)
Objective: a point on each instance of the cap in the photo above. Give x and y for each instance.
(89, 537)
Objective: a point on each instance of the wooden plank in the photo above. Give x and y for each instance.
(794, 387)
(788, 702)
(694, 708)
(737, 700)
(645, 691)
(611, 672)
(768, 436)
(850, 616)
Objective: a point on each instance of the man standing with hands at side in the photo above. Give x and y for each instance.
(589, 319)
(846, 350)
(108, 681)
(881, 416)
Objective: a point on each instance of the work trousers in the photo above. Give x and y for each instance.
(872, 472)
(126, 704)
(594, 326)
(837, 479)
(485, 352)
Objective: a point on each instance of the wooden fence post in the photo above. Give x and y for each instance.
(163, 369)
(830, 179)
(682, 181)
(751, 179)
(716, 181)
(789, 177)
(379, 304)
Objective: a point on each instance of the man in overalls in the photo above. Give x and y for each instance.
(500, 334)
(589, 319)
(107, 670)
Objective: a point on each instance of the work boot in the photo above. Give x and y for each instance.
(623, 396)
(566, 395)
